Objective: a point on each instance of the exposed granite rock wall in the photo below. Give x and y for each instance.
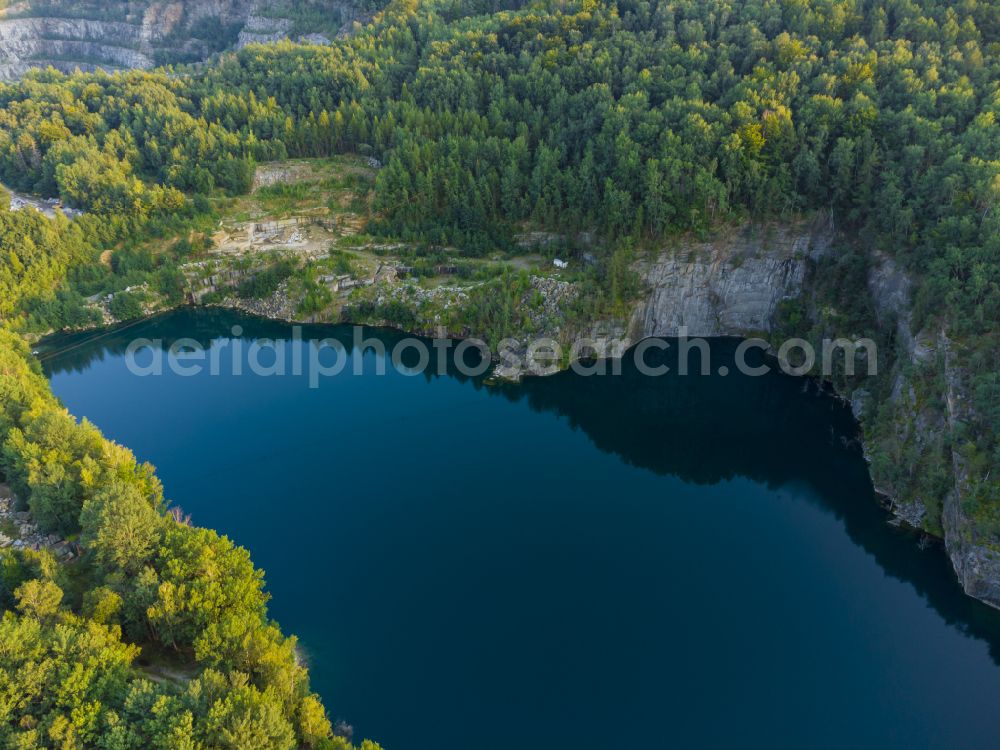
(977, 566)
(38, 33)
(729, 286)
(890, 289)
(28, 42)
(262, 30)
(733, 285)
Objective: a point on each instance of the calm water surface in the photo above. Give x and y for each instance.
(602, 562)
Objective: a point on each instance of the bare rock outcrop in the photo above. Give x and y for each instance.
(733, 285)
(730, 285)
(975, 562)
(117, 34)
(18, 530)
(29, 42)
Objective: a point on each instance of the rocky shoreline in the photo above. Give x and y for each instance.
(732, 286)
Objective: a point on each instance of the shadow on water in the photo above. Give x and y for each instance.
(773, 429)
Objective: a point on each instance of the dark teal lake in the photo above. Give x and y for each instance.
(573, 562)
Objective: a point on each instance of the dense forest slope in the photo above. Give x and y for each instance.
(629, 130)
(114, 34)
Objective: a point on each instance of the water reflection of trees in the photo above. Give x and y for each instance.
(773, 429)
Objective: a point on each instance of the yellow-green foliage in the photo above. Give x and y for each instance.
(70, 638)
(628, 120)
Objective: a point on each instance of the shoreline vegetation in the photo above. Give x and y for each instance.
(450, 152)
(161, 627)
(883, 497)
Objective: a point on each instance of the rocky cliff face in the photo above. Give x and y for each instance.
(729, 286)
(922, 421)
(117, 34)
(977, 566)
(733, 286)
(27, 42)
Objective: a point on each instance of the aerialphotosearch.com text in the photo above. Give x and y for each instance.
(362, 353)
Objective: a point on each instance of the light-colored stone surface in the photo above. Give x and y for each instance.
(18, 530)
(890, 288)
(25, 42)
(975, 563)
(730, 285)
(33, 37)
(977, 566)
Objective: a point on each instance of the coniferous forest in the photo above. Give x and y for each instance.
(636, 121)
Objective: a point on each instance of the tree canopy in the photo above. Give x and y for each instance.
(625, 118)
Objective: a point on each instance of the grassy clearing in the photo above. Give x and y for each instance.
(338, 186)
